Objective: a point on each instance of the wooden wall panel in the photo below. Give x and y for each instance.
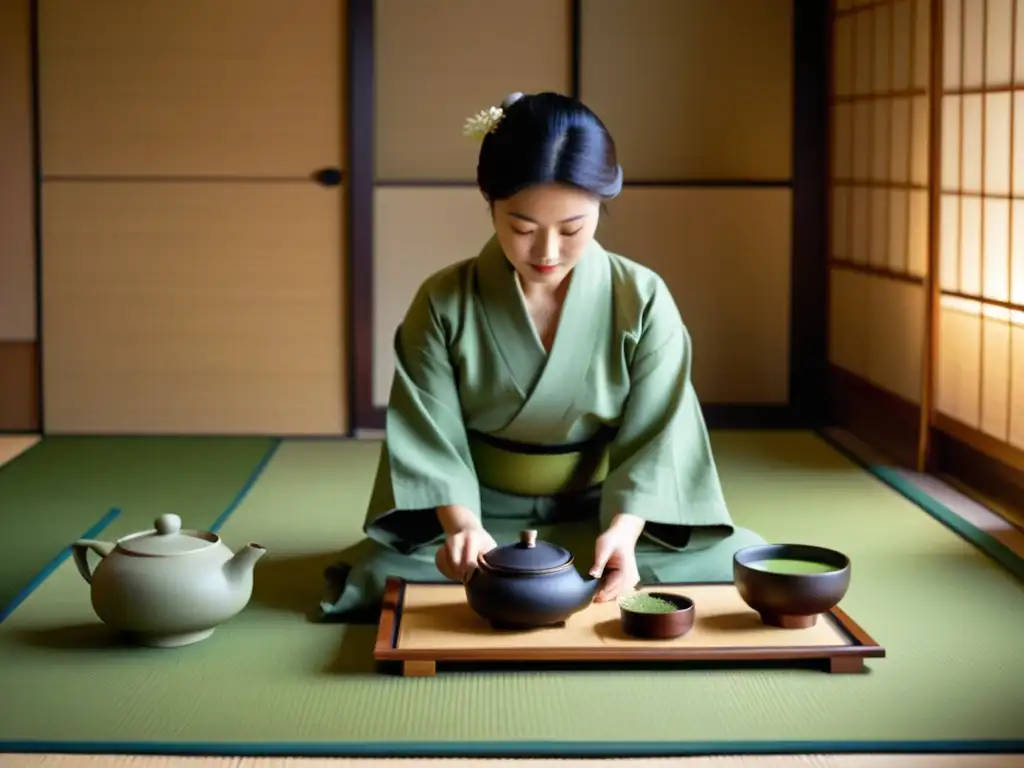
(17, 249)
(848, 304)
(438, 62)
(740, 327)
(414, 237)
(19, 401)
(895, 319)
(193, 307)
(725, 254)
(692, 89)
(193, 273)
(724, 65)
(878, 330)
(245, 88)
(19, 386)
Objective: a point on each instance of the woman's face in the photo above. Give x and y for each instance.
(545, 230)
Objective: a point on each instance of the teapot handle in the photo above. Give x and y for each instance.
(605, 578)
(472, 573)
(80, 551)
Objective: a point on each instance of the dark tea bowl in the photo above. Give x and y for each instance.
(790, 585)
(656, 615)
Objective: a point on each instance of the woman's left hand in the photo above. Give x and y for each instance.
(615, 557)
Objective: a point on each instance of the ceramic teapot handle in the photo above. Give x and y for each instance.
(468, 577)
(80, 552)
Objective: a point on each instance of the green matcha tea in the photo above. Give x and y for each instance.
(789, 565)
(648, 604)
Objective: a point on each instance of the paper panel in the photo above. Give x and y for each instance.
(958, 379)
(194, 308)
(952, 49)
(239, 88)
(689, 88)
(438, 62)
(998, 42)
(949, 243)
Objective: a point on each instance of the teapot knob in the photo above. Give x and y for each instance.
(528, 539)
(167, 524)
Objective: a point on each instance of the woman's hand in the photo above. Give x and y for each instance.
(615, 552)
(465, 541)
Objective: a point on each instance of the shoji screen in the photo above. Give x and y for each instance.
(879, 192)
(980, 370)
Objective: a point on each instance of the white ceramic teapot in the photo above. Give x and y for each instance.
(168, 587)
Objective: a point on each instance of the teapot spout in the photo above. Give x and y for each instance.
(241, 565)
(591, 586)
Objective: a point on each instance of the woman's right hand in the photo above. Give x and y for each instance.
(465, 541)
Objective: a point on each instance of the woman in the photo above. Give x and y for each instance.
(544, 383)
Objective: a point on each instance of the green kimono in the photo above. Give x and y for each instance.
(481, 416)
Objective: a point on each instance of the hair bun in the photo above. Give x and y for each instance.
(511, 99)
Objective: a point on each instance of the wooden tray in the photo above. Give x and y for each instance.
(423, 624)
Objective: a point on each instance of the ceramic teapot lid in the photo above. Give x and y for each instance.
(167, 538)
(527, 555)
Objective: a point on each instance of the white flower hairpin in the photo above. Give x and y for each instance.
(482, 123)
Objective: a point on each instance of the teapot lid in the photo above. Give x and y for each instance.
(167, 538)
(527, 555)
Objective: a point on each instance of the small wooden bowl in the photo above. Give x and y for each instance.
(657, 625)
(785, 597)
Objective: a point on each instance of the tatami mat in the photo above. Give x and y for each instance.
(271, 679)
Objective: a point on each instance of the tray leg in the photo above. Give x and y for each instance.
(845, 665)
(419, 668)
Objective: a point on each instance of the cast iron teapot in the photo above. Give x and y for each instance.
(528, 584)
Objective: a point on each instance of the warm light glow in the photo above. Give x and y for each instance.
(882, 215)
(971, 139)
(976, 308)
(997, 143)
(981, 233)
(970, 245)
(995, 278)
(980, 356)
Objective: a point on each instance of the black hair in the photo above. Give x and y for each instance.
(547, 138)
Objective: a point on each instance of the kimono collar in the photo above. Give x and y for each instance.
(512, 331)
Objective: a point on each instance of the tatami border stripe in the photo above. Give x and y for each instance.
(959, 525)
(514, 749)
(56, 563)
(983, 540)
(254, 476)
